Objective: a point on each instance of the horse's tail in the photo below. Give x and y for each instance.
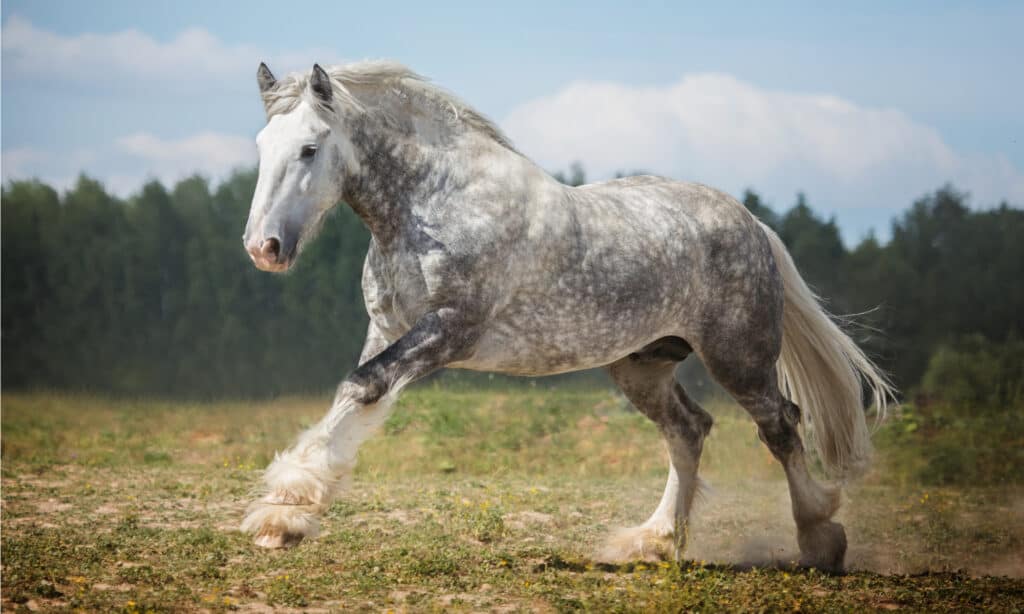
(821, 370)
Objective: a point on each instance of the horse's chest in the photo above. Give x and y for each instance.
(399, 291)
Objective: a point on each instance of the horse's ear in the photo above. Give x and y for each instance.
(265, 78)
(320, 83)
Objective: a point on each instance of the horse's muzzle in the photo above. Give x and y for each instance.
(267, 255)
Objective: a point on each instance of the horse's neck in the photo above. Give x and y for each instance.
(400, 170)
(387, 180)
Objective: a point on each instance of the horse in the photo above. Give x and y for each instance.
(481, 260)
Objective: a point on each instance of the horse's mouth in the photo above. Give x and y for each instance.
(272, 267)
(280, 265)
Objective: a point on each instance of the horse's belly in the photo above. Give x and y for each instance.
(501, 357)
(536, 348)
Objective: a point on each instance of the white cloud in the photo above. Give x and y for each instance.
(716, 129)
(20, 161)
(135, 159)
(212, 153)
(59, 171)
(192, 58)
(142, 156)
(139, 72)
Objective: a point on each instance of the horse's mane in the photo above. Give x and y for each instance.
(429, 98)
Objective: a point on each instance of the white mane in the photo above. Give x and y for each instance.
(403, 82)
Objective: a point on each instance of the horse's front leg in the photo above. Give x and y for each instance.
(302, 482)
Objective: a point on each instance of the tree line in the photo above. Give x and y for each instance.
(154, 295)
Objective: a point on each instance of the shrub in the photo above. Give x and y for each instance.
(977, 375)
(967, 426)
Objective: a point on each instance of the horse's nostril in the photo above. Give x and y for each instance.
(271, 249)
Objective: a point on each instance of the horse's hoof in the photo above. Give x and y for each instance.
(281, 526)
(277, 539)
(641, 543)
(823, 546)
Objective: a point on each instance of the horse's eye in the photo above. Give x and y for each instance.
(308, 151)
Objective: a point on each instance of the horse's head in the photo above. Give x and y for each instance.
(304, 159)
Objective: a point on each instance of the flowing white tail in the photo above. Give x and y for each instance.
(821, 369)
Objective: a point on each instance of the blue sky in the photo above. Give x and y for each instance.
(864, 106)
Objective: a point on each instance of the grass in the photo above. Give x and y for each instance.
(469, 500)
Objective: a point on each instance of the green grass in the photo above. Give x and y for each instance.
(468, 500)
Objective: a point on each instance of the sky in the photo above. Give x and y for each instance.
(862, 106)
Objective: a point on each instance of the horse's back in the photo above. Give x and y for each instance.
(697, 202)
(705, 240)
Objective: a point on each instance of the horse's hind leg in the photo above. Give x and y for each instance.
(822, 542)
(647, 378)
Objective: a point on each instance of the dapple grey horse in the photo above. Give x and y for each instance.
(481, 260)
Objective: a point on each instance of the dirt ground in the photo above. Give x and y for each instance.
(467, 501)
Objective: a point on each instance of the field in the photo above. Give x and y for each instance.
(469, 500)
